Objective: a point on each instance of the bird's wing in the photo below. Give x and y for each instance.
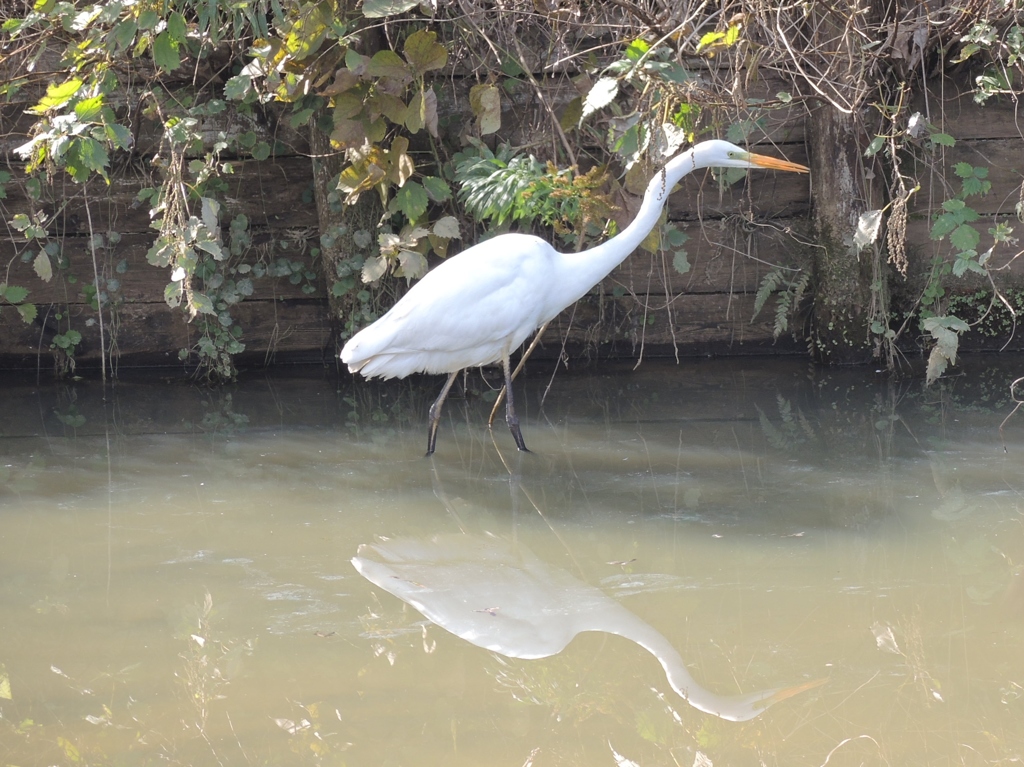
(467, 311)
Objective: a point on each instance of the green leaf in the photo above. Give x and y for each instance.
(937, 363)
(437, 189)
(411, 201)
(176, 28)
(160, 253)
(976, 185)
(202, 303)
(485, 100)
(57, 95)
(601, 95)
(943, 225)
(124, 33)
(300, 118)
(511, 68)
(13, 294)
(172, 293)
(43, 267)
(946, 321)
(966, 52)
(118, 135)
(378, 9)
(681, 262)
(238, 87)
(356, 62)
(422, 112)
(148, 19)
(636, 49)
(374, 268)
(965, 237)
(447, 227)
(213, 248)
(675, 237)
(411, 264)
(347, 106)
(165, 52)
(671, 71)
(261, 151)
(89, 110)
(388, 64)
(424, 53)
(942, 139)
(875, 146)
(28, 312)
(92, 154)
(963, 169)
(388, 105)
(68, 339)
(571, 114)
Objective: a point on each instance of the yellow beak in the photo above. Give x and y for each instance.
(764, 161)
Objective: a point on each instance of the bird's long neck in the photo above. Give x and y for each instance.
(586, 268)
(735, 708)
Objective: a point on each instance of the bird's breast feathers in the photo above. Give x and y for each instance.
(467, 311)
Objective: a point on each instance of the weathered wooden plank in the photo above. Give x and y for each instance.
(760, 194)
(948, 103)
(153, 333)
(139, 281)
(1004, 159)
(1007, 271)
(696, 325)
(147, 132)
(725, 256)
(525, 120)
(275, 194)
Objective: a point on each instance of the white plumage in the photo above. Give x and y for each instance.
(477, 307)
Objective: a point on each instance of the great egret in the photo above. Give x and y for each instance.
(506, 600)
(480, 305)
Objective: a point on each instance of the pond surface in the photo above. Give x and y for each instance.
(177, 583)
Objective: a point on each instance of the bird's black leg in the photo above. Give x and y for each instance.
(435, 413)
(510, 409)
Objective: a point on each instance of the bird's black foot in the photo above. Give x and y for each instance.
(517, 435)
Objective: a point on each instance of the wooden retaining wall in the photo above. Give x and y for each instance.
(735, 236)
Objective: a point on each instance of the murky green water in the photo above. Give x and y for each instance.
(177, 584)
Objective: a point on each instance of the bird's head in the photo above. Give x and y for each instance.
(722, 154)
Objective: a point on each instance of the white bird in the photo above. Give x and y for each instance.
(506, 600)
(477, 307)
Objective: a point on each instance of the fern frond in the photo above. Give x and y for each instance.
(782, 314)
(769, 285)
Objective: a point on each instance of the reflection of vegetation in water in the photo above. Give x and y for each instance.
(26, 476)
(983, 390)
(792, 429)
(985, 571)
(384, 628)
(309, 735)
(209, 662)
(220, 416)
(910, 647)
(115, 720)
(380, 408)
(553, 683)
(668, 731)
(70, 417)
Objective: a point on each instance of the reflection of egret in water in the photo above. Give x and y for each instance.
(508, 601)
